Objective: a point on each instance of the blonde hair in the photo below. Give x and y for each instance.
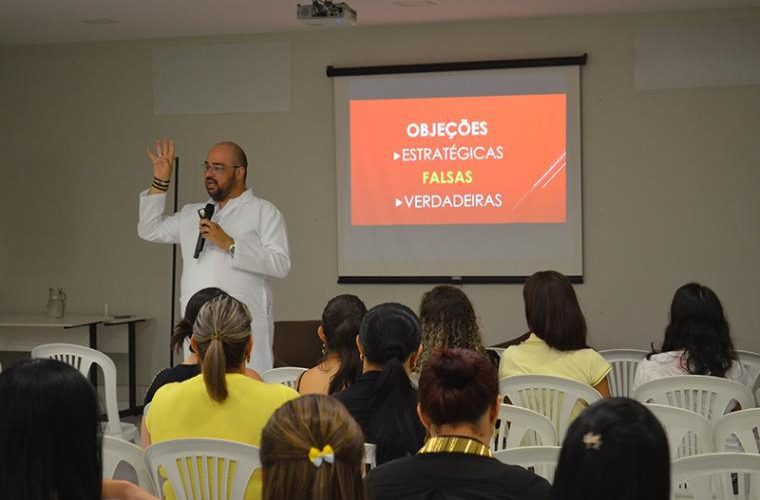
(312, 421)
(221, 331)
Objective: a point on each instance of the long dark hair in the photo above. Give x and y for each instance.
(553, 312)
(340, 323)
(448, 320)
(184, 329)
(614, 445)
(699, 327)
(50, 437)
(390, 333)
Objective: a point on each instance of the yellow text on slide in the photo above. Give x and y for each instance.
(447, 177)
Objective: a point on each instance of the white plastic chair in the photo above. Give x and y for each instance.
(710, 397)
(82, 358)
(624, 363)
(708, 476)
(208, 469)
(370, 454)
(541, 459)
(744, 424)
(756, 388)
(287, 375)
(553, 397)
(751, 362)
(688, 433)
(520, 425)
(117, 450)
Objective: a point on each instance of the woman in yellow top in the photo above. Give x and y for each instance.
(221, 402)
(557, 343)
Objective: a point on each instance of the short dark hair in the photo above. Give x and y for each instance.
(699, 327)
(457, 386)
(614, 445)
(553, 312)
(184, 329)
(340, 323)
(50, 437)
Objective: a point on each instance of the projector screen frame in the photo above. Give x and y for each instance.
(336, 72)
(395, 69)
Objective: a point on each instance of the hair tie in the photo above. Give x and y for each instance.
(216, 336)
(592, 440)
(326, 455)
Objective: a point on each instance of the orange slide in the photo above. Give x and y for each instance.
(458, 160)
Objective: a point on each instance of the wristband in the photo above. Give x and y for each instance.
(159, 187)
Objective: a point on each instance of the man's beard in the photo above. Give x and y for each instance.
(216, 191)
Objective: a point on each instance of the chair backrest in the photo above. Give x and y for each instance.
(756, 388)
(553, 397)
(287, 375)
(709, 476)
(744, 424)
(209, 469)
(688, 433)
(624, 363)
(370, 454)
(540, 459)
(710, 397)
(516, 426)
(117, 450)
(82, 358)
(751, 362)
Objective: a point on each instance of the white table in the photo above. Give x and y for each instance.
(91, 321)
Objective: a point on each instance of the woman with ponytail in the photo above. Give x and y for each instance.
(383, 400)
(222, 402)
(183, 331)
(340, 365)
(311, 449)
(459, 405)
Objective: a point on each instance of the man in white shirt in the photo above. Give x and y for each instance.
(245, 239)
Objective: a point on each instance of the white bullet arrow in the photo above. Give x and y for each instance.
(398, 203)
(396, 156)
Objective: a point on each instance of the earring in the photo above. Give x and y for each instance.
(324, 349)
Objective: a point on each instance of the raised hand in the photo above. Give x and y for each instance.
(162, 159)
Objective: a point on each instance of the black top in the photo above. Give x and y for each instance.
(357, 399)
(454, 476)
(178, 373)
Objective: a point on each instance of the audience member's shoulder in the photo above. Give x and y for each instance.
(521, 479)
(276, 391)
(390, 471)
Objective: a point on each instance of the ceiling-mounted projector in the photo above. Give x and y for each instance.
(326, 13)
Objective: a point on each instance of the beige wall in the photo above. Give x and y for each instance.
(669, 176)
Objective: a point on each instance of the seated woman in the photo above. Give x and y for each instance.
(221, 402)
(697, 341)
(557, 343)
(341, 365)
(183, 331)
(459, 405)
(311, 448)
(615, 449)
(50, 436)
(448, 320)
(383, 400)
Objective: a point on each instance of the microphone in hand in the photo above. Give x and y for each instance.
(204, 213)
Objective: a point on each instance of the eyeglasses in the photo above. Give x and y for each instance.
(217, 168)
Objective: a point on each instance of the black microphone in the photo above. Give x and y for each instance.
(203, 213)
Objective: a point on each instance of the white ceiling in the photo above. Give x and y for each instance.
(60, 21)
